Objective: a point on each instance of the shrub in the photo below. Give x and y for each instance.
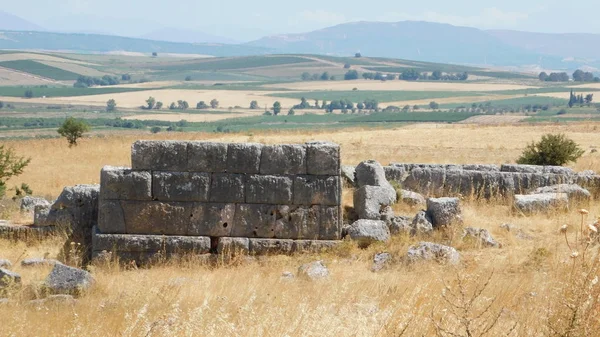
(552, 149)
(562, 112)
(155, 129)
(11, 165)
(73, 129)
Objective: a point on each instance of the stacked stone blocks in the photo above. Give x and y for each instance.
(218, 190)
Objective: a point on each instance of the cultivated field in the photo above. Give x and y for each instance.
(531, 281)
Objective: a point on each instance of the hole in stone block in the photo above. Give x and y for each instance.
(214, 243)
(255, 233)
(225, 225)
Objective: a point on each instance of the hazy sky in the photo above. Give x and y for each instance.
(246, 20)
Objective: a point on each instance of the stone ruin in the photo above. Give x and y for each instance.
(206, 197)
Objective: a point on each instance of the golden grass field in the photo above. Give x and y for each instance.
(535, 288)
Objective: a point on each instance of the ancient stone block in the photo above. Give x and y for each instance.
(444, 211)
(159, 155)
(271, 246)
(151, 243)
(157, 218)
(368, 201)
(541, 203)
(207, 157)
(227, 188)
(293, 222)
(110, 217)
(331, 223)
(180, 186)
(317, 190)
(395, 173)
(283, 159)
(233, 245)
(268, 190)
(244, 158)
(254, 221)
(522, 168)
(370, 173)
(314, 246)
(426, 181)
(119, 183)
(322, 158)
(212, 219)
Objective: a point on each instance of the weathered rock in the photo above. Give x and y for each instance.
(444, 211)
(400, 224)
(380, 261)
(412, 198)
(262, 189)
(395, 172)
(111, 219)
(283, 159)
(151, 243)
(387, 213)
(427, 251)
(9, 278)
(313, 246)
(254, 221)
(540, 203)
(317, 190)
(429, 181)
(368, 201)
(29, 203)
(518, 232)
(575, 192)
(348, 173)
(227, 188)
(313, 271)
(421, 224)
(480, 236)
(120, 183)
(322, 158)
(481, 167)
(561, 170)
(207, 157)
(271, 246)
(244, 158)
(330, 227)
(180, 186)
(159, 155)
(522, 168)
(233, 246)
(22, 232)
(40, 215)
(157, 218)
(366, 232)
(5, 264)
(287, 275)
(68, 280)
(39, 261)
(371, 173)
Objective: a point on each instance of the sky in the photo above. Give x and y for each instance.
(244, 20)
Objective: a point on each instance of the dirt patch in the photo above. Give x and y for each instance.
(493, 120)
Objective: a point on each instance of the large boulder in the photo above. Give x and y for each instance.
(5, 263)
(367, 232)
(68, 280)
(348, 174)
(77, 210)
(400, 224)
(313, 271)
(29, 203)
(371, 173)
(575, 192)
(412, 198)
(428, 251)
(480, 236)
(421, 224)
(9, 278)
(444, 211)
(541, 203)
(369, 201)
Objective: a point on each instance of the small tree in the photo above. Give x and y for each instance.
(154, 54)
(357, 55)
(73, 129)
(11, 165)
(214, 103)
(111, 105)
(150, 103)
(173, 106)
(276, 108)
(1, 104)
(351, 75)
(125, 77)
(159, 105)
(155, 129)
(201, 105)
(434, 105)
(188, 78)
(347, 66)
(553, 149)
(254, 105)
(28, 93)
(291, 112)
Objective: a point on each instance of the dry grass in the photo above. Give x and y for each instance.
(532, 282)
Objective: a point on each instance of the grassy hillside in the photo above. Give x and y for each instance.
(40, 69)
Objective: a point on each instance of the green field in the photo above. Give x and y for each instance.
(61, 91)
(40, 69)
(221, 64)
(381, 96)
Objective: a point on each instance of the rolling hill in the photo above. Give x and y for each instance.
(13, 22)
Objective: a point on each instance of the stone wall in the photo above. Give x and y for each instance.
(201, 194)
(486, 181)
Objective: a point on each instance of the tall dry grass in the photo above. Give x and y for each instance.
(528, 287)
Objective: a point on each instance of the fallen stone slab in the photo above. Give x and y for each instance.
(575, 192)
(313, 271)
(368, 201)
(400, 224)
(371, 173)
(28, 203)
(421, 224)
(480, 236)
(444, 211)
(348, 175)
(428, 251)
(39, 261)
(381, 261)
(9, 278)
(17, 232)
(233, 246)
(68, 280)
(5, 263)
(541, 203)
(366, 232)
(151, 243)
(412, 198)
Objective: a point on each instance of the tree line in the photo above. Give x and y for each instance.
(578, 76)
(316, 77)
(408, 75)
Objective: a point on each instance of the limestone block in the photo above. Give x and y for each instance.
(159, 155)
(271, 246)
(111, 219)
(317, 190)
(180, 186)
(244, 158)
(268, 189)
(157, 218)
(283, 159)
(254, 221)
(151, 243)
(233, 245)
(227, 188)
(212, 219)
(331, 223)
(120, 183)
(322, 158)
(207, 157)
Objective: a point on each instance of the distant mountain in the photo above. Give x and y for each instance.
(12, 22)
(415, 40)
(577, 46)
(108, 43)
(185, 36)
